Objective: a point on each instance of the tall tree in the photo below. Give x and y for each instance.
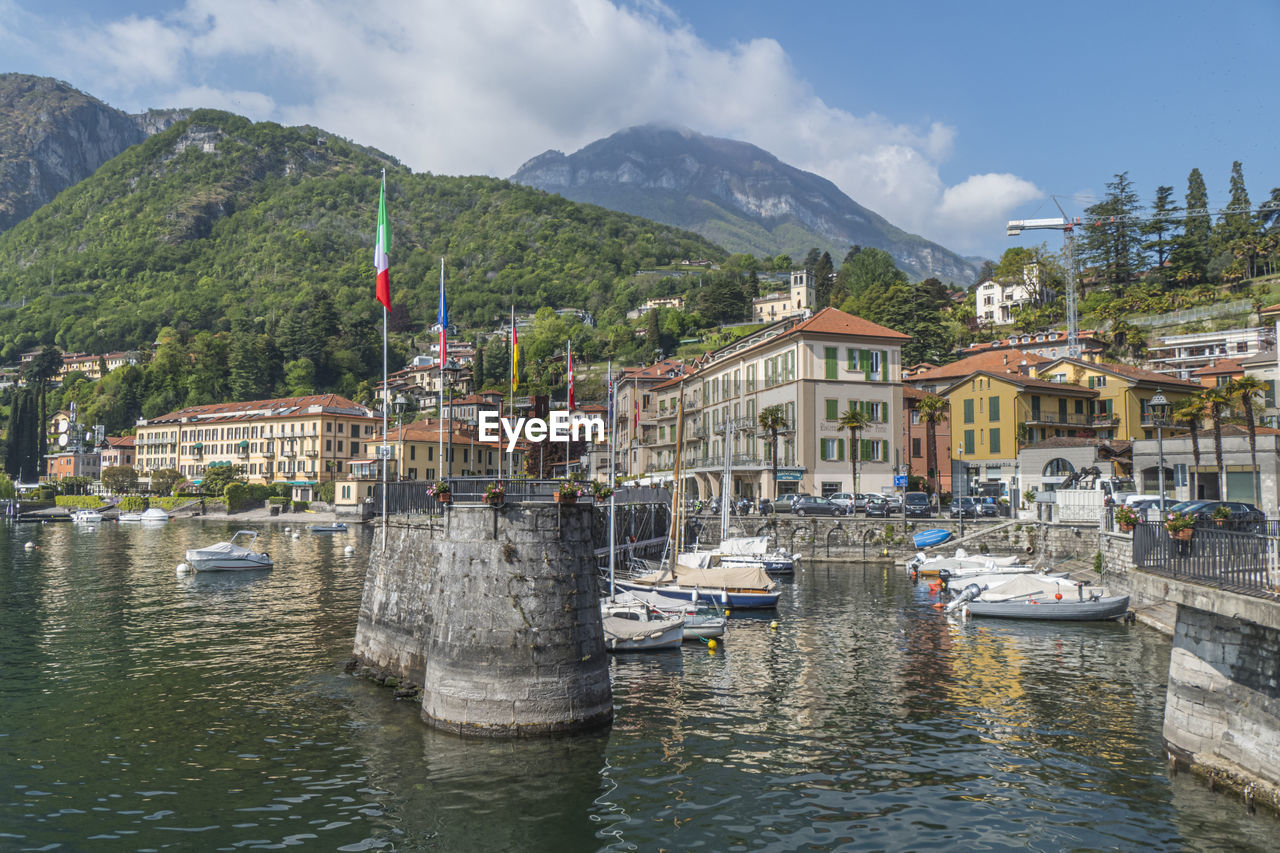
(1110, 242)
(773, 420)
(1191, 250)
(1244, 392)
(1217, 402)
(1237, 223)
(855, 421)
(1161, 226)
(823, 279)
(1189, 412)
(933, 410)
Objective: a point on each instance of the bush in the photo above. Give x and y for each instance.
(301, 506)
(276, 500)
(78, 501)
(133, 503)
(259, 491)
(327, 491)
(237, 495)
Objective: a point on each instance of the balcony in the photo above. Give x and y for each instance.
(270, 451)
(312, 454)
(1057, 419)
(289, 454)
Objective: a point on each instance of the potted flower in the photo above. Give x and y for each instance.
(600, 491)
(1180, 525)
(495, 494)
(1221, 514)
(569, 492)
(1126, 517)
(441, 491)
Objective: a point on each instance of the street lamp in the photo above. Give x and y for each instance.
(1160, 408)
(958, 500)
(400, 404)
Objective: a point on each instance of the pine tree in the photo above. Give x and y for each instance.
(1161, 226)
(1110, 243)
(1238, 223)
(1190, 255)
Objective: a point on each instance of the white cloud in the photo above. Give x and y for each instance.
(479, 87)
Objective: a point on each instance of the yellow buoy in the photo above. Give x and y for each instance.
(711, 645)
(774, 624)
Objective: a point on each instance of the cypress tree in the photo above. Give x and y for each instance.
(1191, 251)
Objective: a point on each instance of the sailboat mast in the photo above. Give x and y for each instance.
(613, 542)
(726, 484)
(677, 487)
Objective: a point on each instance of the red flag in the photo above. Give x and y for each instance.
(571, 405)
(635, 399)
(380, 261)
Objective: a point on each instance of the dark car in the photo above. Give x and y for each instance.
(918, 505)
(810, 505)
(965, 506)
(1239, 515)
(988, 508)
(877, 507)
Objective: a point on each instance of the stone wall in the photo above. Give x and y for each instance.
(495, 611)
(1222, 711)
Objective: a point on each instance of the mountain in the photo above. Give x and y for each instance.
(53, 136)
(734, 194)
(218, 219)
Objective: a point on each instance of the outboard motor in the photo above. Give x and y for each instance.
(944, 578)
(969, 593)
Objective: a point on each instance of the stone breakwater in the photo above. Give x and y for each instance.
(494, 611)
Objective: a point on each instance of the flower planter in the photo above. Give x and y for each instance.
(495, 500)
(1183, 535)
(567, 500)
(1125, 528)
(445, 498)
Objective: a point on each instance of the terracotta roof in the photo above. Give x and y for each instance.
(1270, 309)
(282, 407)
(1067, 389)
(833, 321)
(121, 441)
(657, 370)
(1137, 374)
(1003, 361)
(1220, 367)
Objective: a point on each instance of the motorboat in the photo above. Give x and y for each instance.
(1040, 597)
(234, 555)
(755, 551)
(633, 626)
(963, 562)
(86, 516)
(339, 527)
(155, 515)
(703, 617)
(129, 517)
(696, 574)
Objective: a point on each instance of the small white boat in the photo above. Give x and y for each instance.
(155, 515)
(633, 626)
(964, 563)
(339, 527)
(129, 517)
(1041, 597)
(754, 551)
(230, 556)
(703, 617)
(86, 516)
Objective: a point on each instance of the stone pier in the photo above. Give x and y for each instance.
(495, 611)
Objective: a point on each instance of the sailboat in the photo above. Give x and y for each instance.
(631, 625)
(681, 575)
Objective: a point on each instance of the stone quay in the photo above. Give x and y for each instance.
(495, 611)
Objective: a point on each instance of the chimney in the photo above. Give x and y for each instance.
(1006, 358)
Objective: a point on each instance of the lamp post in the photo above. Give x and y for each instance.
(401, 402)
(1160, 408)
(958, 500)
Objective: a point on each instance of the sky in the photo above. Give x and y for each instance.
(947, 118)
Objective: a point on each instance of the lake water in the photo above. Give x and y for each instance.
(142, 710)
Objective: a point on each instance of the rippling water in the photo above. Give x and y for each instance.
(141, 710)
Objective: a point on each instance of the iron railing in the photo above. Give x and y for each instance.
(1247, 562)
(409, 497)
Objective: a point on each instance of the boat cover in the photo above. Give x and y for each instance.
(719, 577)
(751, 546)
(1026, 587)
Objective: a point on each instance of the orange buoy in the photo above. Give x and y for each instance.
(1057, 596)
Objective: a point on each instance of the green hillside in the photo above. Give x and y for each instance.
(218, 219)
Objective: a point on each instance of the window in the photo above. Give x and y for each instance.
(833, 410)
(875, 364)
(993, 409)
(994, 442)
(968, 442)
(915, 448)
(832, 449)
(968, 412)
(830, 357)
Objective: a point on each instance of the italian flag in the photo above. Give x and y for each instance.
(380, 261)
(570, 350)
(515, 358)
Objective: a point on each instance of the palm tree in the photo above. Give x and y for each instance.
(1188, 413)
(1244, 391)
(933, 410)
(1216, 401)
(773, 420)
(855, 421)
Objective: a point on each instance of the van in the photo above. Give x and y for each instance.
(917, 505)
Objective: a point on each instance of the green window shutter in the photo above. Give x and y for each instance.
(884, 365)
(1090, 381)
(995, 439)
(968, 411)
(864, 364)
(840, 449)
(822, 449)
(851, 358)
(994, 409)
(884, 450)
(833, 410)
(830, 355)
(968, 442)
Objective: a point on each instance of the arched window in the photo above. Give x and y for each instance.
(1058, 467)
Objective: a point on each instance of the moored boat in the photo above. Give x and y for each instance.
(86, 516)
(633, 626)
(734, 587)
(932, 536)
(1041, 597)
(338, 527)
(230, 556)
(155, 515)
(703, 618)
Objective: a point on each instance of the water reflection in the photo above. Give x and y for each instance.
(210, 711)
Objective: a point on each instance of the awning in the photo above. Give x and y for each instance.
(244, 444)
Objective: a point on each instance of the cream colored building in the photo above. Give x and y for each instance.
(815, 369)
(798, 301)
(296, 440)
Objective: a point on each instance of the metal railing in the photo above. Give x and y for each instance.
(409, 497)
(1240, 560)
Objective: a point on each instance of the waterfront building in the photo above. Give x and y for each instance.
(296, 440)
(1189, 481)
(1179, 355)
(416, 453)
(635, 414)
(117, 451)
(1045, 465)
(917, 443)
(1121, 409)
(996, 302)
(814, 369)
(77, 462)
(797, 301)
(1219, 373)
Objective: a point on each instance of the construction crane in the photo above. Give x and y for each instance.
(1068, 225)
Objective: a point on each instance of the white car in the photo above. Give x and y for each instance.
(844, 499)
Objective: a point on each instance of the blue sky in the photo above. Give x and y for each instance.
(947, 118)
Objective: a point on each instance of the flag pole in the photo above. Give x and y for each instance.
(613, 542)
(442, 317)
(511, 386)
(383, 265)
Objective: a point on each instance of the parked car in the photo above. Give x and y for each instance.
(810, 505)
(988, 508)
(859, 503)
(895, 503)
(1147, 507)
(845, 499)
(1240, 514)
(965, 506)
(877, 507)
(918, 505)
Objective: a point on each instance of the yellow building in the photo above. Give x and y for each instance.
(994, 414)
(1121, 409)
(296, 440)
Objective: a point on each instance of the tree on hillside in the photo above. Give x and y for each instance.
(823, 280)
(1159, 228)
(1190, 256)
(723, 299)
(1110, 243)
(1237, 224)
(867, 268)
